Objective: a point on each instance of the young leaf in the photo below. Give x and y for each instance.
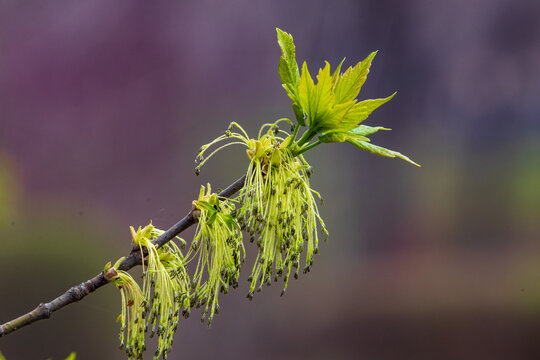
(336, 74)
(365, 130)
(339, 137)
(299, 114)
(288, 68)
(230, 222)
(335, 119)
(378, 150)
(350, 82)
(334, 137)
(288, 72)
(360, 111)
(316, 100)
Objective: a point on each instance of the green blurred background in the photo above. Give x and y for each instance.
(103, 106)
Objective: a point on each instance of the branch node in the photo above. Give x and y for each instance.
(78, 292)
(195, 214)
(109, 274)
(44, 311)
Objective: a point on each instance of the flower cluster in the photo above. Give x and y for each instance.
(288, 220)
(165, 285)
(219, 251)
(277, 205)
(132, 318)
(165, 291)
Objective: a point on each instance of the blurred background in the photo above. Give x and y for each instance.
(104, 105)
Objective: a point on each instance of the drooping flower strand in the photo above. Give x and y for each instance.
(287, 218)
(176, 267)
(219, 251)
(165, 286)
(132, 319)
(238, 138)
(235, 138)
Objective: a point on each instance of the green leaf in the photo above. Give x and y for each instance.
(360, 111)
(316, 100)
(206, 206)
(378, 150)
(288, 68)
(339, 137)
(212, 217)
(71, 356)
(336, 74)
(214, 201)
(230, 222)
(334, 137)
(348, 85)
(288, 72)
(107, 267)
(365, 130)
(299, 114)
(335, 118)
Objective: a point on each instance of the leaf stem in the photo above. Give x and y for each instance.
(306, 137)
(295, 133)
(307, 147)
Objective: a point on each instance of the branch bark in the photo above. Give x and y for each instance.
(77, 293)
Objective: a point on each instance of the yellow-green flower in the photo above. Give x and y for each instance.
(218, 248)
(278, 207)
(132, 318)
(277, 204)
(165, 290)
(165, 285)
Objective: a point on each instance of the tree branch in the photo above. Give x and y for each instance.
(77, 293)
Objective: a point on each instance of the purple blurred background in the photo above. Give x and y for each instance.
(103, 106)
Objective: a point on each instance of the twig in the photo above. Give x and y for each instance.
(77, 293)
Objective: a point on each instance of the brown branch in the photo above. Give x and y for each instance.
(77, 293)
